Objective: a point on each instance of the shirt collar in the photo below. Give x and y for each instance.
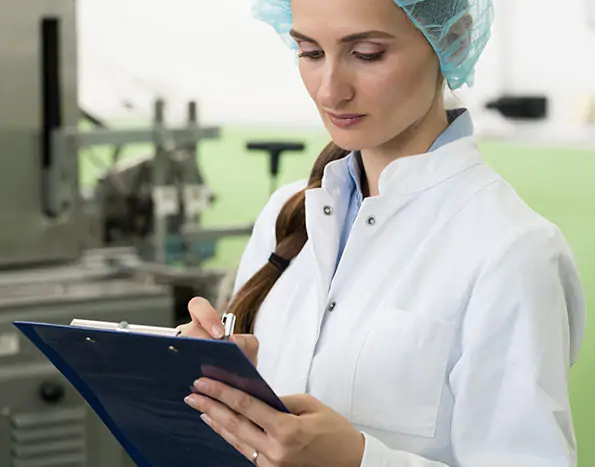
(355, 173)
(451, 153)
(460, 125)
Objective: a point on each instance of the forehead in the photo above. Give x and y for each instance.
(340, 17)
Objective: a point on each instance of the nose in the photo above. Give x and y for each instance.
(335, 88)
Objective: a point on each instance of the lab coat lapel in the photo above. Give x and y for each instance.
(326, 209)
(325, 214)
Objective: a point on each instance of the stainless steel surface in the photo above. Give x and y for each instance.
(61, 178)
(180, 276)
(95, 265)
(27, 235)
(179, 136)
(19, 295)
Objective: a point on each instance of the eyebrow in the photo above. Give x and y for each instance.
(360, 36)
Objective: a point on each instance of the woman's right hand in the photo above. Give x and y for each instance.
(206, 324)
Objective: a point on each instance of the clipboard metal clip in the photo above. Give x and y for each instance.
(123, 326)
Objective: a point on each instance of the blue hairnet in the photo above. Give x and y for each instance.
(458, 30)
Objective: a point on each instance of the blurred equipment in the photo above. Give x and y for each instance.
(520, 107)
(275, 150)
(40, 209)
(131, 250)
(45, 273)
(154, 203)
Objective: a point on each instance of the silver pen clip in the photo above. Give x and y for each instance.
(229, 323)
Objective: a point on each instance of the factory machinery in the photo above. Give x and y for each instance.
(131, 250)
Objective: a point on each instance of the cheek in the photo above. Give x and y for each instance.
(380, 90)
(401, 84)
(309, 79)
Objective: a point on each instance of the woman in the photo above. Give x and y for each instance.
(414, 312)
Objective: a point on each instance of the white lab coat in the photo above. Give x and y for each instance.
(447, 334)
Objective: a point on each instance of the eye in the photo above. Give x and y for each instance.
(313, 55)
(369, 57)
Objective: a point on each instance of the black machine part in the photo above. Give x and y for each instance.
(276, 151)
(125, 197)
(520, 107)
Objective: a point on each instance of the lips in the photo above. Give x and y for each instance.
(345, 120)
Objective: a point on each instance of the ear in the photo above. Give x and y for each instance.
(458, 39)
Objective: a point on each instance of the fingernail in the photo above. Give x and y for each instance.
(201, 385)
(190, 401)
(206, 419)
(218, 331)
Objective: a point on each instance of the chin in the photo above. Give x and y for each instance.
(353, 140)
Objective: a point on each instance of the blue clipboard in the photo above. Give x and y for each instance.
(136, 383)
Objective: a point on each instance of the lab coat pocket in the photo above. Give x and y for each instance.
(400, 373)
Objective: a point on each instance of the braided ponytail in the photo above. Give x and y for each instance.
(291, 235)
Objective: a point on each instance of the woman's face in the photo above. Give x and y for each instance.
(371, 73)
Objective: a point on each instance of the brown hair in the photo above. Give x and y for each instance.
(291, 236)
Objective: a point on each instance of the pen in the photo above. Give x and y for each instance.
(229, 321)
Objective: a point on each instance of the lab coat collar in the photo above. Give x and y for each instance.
(414, 173)
(421, 172)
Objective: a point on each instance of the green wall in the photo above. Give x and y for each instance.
(560, 184)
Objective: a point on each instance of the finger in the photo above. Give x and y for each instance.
(206, 317)
(249, 345)
(193, 330)
(261, 414)
(300, 404)
(234, 423)
(242, 448)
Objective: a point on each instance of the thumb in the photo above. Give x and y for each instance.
(301, 404)
(249, 344)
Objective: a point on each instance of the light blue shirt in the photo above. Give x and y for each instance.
(460, 125)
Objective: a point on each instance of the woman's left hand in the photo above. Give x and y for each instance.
(312, 435)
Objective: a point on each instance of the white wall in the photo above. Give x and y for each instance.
(212, 51)
(208, 50)
(542, 46)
